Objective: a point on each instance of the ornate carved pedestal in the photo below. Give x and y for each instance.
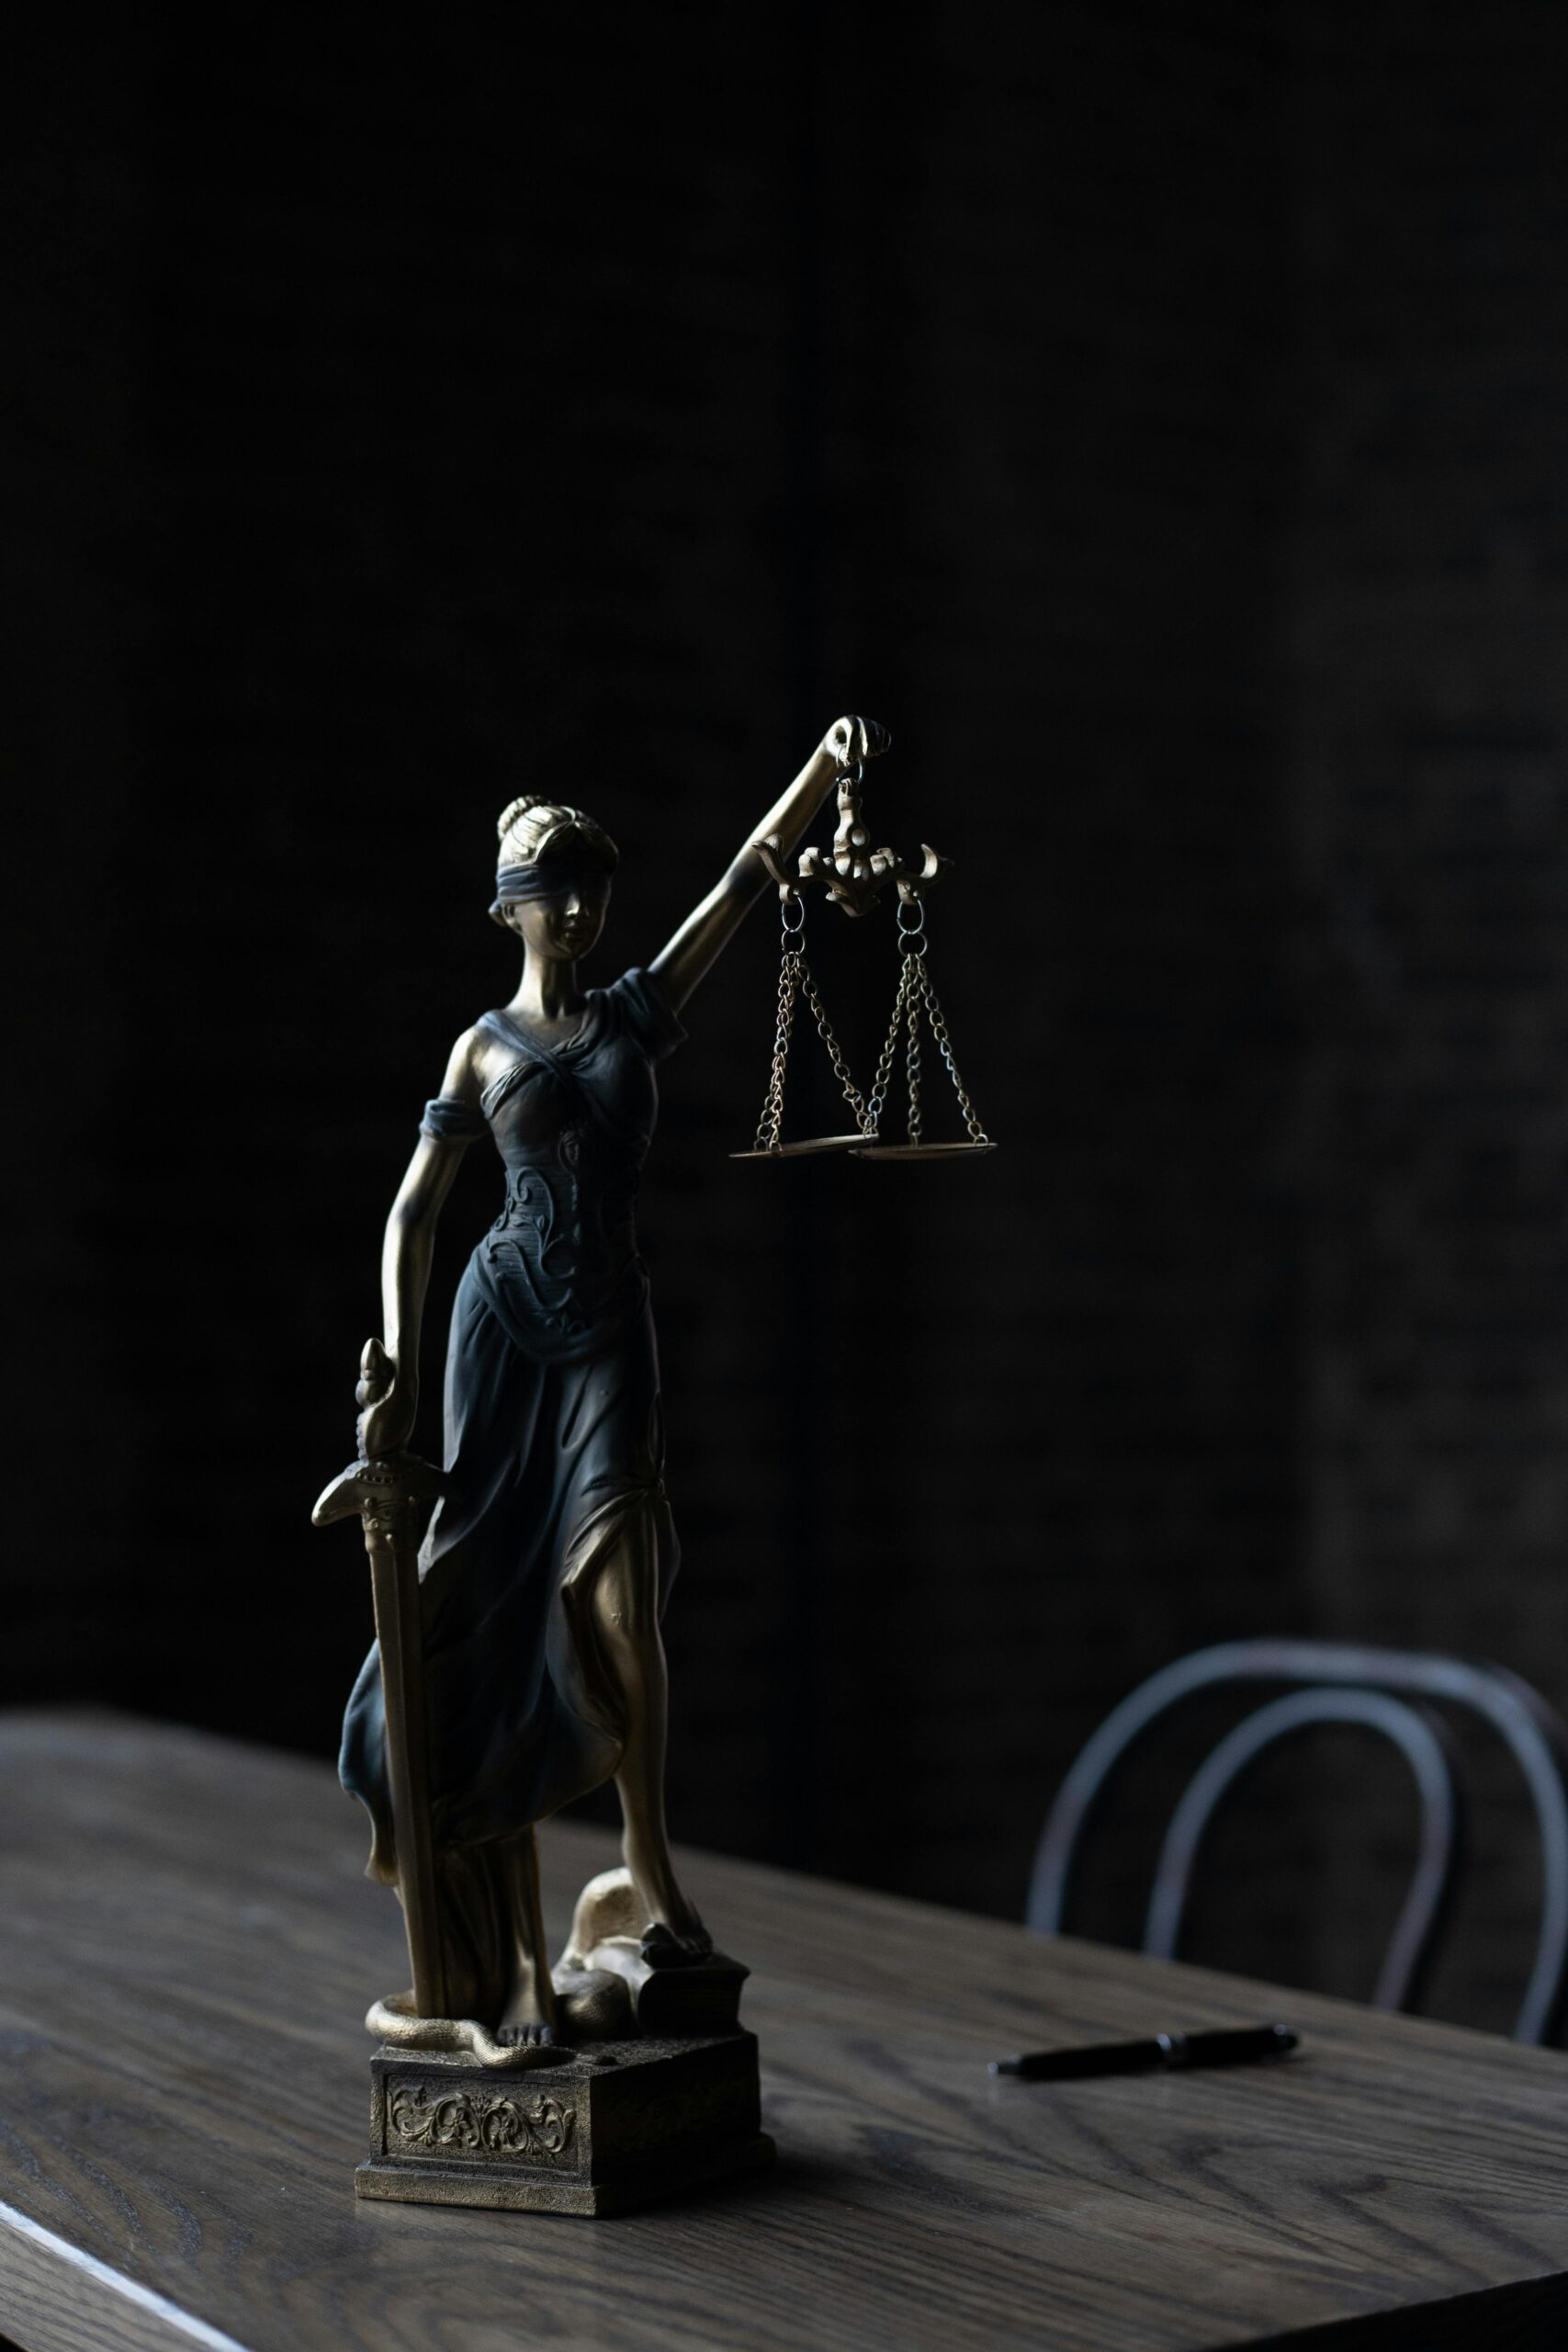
(617, 2124)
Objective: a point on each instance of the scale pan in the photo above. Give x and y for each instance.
(803, 1149)
(922, 1150)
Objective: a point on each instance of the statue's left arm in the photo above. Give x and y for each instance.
(709, 928)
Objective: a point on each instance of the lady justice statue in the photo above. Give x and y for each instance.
(551, 1551)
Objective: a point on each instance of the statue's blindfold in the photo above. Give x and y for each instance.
(551, 877)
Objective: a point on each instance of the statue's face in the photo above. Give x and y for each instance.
(566, 926)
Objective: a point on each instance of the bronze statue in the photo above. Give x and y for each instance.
(551, 1551)
(518, 1663)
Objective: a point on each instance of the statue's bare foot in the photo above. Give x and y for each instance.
(663, 1948)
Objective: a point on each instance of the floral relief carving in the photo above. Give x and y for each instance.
(540, 2129)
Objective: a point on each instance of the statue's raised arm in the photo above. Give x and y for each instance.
(710, 927)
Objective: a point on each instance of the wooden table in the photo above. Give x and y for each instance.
(187, 1948)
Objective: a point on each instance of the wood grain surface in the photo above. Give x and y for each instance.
(187, 1946)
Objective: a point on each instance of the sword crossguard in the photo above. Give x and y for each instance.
(380, 1492)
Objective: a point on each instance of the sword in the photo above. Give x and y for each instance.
(388, 1495)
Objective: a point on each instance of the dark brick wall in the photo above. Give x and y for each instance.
(1429, 620)
(1129, 406)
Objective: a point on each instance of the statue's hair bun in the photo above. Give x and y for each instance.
(528, 828)
(519, 807)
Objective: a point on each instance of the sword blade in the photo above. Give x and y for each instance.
(394, 1588)
(387, 1494)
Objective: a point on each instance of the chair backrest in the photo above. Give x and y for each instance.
(1381, 1690)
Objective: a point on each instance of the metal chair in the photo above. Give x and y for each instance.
(1385, 1691)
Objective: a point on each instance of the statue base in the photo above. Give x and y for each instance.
(614, 2125)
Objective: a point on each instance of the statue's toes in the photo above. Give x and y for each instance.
(527, 2037)
(665, 1947)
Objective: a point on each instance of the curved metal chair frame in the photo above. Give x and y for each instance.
(1427, 1747)
(1337, 1683)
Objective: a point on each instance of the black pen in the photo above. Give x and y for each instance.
(1237, 2046)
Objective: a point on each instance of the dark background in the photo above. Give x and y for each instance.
(1156, 415)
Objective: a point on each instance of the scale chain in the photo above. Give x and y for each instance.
(885, 1066)
(945, 1047)
(825, 1030)
(912, 1060)
(772, 1120)
(795, 980)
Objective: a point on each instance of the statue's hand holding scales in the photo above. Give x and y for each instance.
(849, 741)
